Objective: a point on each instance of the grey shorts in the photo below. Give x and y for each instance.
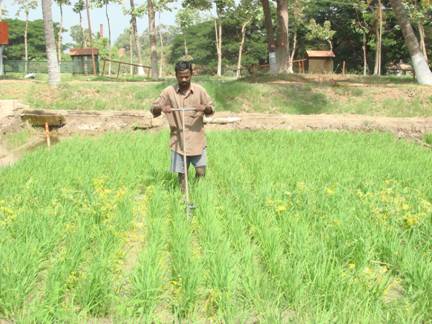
(177, 164)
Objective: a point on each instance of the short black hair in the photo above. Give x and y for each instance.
(183, 65)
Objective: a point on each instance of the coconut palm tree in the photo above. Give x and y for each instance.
(53, 67)
(423, 73)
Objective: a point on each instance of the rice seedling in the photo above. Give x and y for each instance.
(316, 227)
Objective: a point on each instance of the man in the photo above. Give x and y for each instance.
(185, 95)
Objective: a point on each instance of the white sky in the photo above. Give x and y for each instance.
(119, 21)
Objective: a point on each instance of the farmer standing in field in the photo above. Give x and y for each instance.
(185, 95)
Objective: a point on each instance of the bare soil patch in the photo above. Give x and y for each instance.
(97, 122)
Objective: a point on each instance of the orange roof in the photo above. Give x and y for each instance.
(83, 51)
(320, 54)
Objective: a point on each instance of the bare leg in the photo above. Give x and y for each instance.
(200, 172)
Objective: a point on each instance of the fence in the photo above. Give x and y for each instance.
(18, 66)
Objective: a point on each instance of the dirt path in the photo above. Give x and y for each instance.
(90, 122)
(97, 122)
(9, 110)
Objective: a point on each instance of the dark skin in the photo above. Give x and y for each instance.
(184, 78)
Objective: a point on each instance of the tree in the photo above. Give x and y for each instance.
(282, 38)
(87, 5)
(153, 41)
(245, 12)
(378, 37)
(79, 36)
(53, 67)
(36, 48)
(320, 33)
(271, 45)
(134, 13)
(297, 20)
(361, 26)
(78, 8)
(100, 4)
(221, 8)
(202, 50)
(419, 10)
(25, 6)
(60, 3)
(185, 18)
(423, 73)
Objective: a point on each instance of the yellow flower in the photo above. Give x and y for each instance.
(405, 206)
(411, 220)
(329, 191)
(281, 208)
(301, 185)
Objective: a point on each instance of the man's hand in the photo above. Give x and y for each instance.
(205, 109)
(157, 110)
(167, 109)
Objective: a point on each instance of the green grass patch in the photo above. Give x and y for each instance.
(291, 94)
(316, 227)
(428, 138)
(17, 139)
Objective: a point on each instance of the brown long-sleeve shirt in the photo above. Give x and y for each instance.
(194, 120)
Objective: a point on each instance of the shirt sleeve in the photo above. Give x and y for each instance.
(207, 101)
(159, 102)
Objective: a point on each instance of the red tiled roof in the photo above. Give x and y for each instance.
(320, 54)
(83, 51)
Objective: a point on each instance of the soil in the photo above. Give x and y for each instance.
(96, 122)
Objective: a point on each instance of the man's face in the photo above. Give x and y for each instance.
(184, 78)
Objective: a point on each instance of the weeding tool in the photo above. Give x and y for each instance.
(189, 205)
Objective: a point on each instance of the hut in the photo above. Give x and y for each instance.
(82, 60)
(320, 62)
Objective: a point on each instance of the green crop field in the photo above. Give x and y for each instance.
(303, 227)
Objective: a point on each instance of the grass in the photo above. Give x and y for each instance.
(428, 138)
(16, 139)
(291, 94)
(317, 227)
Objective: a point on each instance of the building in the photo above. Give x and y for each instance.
(320, 62)
(82, 60)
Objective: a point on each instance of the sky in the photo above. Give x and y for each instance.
(119, 21)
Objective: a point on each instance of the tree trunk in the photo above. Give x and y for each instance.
(218, 32)
(53, 67)
(84, 41)
(135, 37)
(185, 45)
(294, 48)
(377, 69)
(153, 40)
(1, 59)
(26, 42)
(109, 38)
(131, 46)
(243, 34)
(282, 52)
(364, 47)
(162, 56)
(270, 36)
(91, 37)
(423, 47)
(59, 41)
(422, 71)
